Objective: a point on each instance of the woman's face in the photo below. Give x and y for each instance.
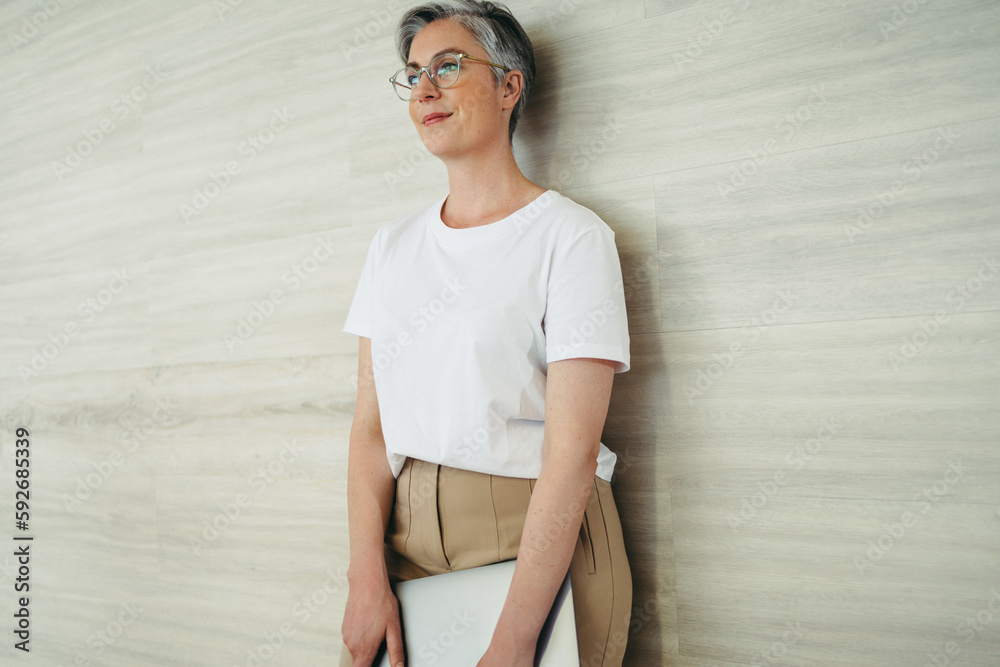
(469, 116)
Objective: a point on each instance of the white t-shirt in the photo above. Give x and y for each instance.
(464, 323)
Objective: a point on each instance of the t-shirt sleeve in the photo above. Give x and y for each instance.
(585, 306)
(360, 318)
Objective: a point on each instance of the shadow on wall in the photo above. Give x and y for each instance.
(535, 137)
(630, 430)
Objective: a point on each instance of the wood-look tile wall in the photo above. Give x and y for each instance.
(806, 197)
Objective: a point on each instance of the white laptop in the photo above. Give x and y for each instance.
(448, 619)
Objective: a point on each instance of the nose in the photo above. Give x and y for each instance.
(424, 88)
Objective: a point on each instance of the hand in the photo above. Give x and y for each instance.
(372, 614)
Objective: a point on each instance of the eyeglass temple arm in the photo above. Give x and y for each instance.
(480, 60)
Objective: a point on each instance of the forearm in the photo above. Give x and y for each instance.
(371, 490)
(549, 537)
(576, 404)
(372, 613)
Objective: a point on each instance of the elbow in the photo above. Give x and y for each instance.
(578, 462)
(589, 468)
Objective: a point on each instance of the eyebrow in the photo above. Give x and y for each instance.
(450, 49)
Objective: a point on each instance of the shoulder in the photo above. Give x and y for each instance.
(570, 220)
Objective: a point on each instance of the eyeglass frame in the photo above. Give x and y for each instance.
(427, 69)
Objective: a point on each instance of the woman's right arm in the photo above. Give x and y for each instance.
(372, 612)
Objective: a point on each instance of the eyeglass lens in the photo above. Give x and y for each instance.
(443, 71)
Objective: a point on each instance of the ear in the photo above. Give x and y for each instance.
(513, 86)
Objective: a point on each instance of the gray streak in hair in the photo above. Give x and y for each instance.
(493, 26)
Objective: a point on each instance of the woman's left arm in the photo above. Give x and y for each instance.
(576, 404)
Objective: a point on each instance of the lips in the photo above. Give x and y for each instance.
(435, 117)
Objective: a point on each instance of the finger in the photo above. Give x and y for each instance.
(394, 642)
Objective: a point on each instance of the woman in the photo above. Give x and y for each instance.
(491, 325)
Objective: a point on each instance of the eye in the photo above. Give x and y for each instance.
(447, 68)
(444, 69)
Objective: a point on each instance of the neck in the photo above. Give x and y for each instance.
(486, 187)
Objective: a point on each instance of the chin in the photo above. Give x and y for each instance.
(436, 146)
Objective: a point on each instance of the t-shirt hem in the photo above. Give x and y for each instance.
(358, 329)
(397, 461)
(608, 353)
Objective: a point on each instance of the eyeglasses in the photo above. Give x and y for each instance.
(443, 72)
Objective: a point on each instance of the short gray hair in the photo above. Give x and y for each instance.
(494, 27)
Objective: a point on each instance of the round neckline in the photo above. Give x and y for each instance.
(489, 231)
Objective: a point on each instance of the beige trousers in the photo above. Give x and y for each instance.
(445, 519)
